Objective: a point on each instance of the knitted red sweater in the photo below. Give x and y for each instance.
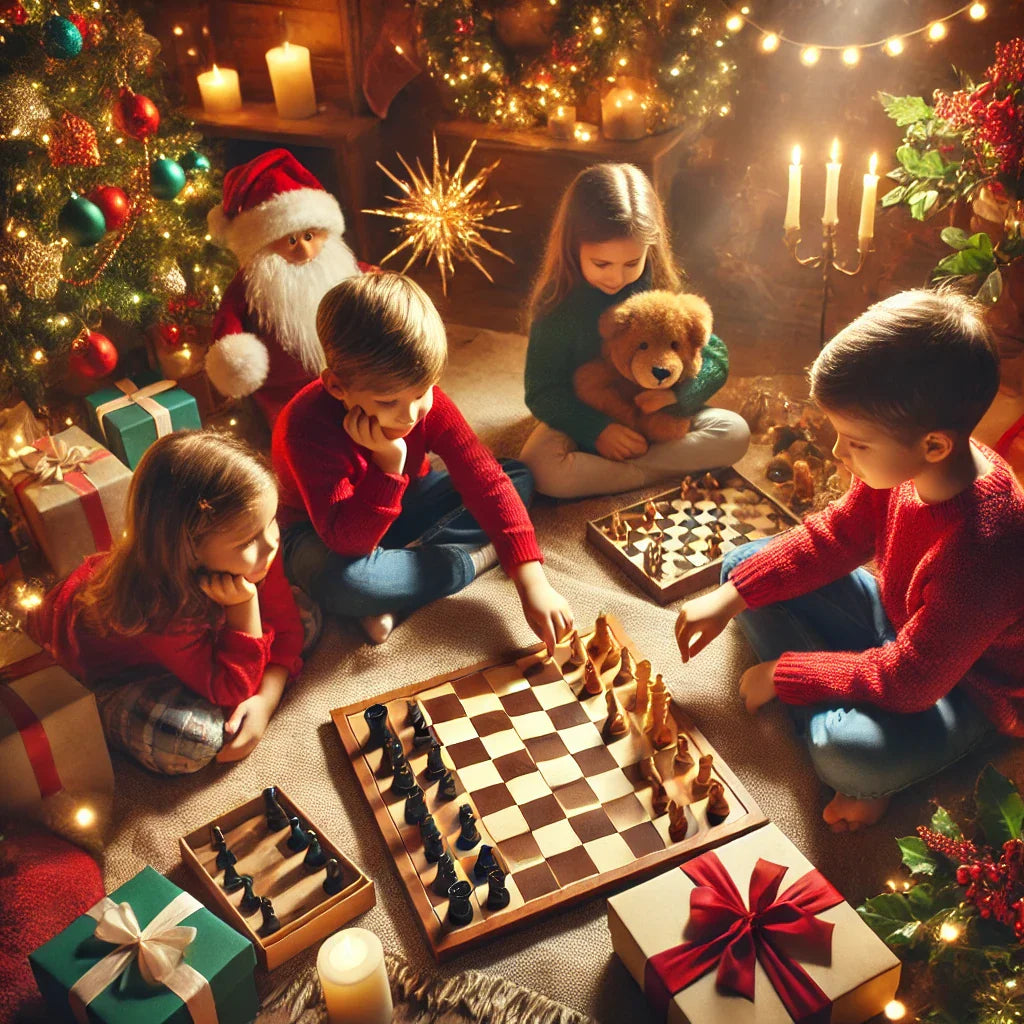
(326, 478)
(951, 577)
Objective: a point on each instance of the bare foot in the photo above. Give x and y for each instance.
(847, 814)
(378, 627)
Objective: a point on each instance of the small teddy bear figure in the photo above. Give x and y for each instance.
(652, 341)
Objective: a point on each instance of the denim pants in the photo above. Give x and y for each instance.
(864, 751)
(423, 556)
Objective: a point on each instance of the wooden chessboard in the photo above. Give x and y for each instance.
(567, 812)
(741, 510)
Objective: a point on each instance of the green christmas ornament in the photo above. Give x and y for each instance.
(61, 38)
(166, 178)
(193, 160)
(81, 221)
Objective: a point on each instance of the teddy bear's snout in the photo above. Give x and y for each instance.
(660, 373)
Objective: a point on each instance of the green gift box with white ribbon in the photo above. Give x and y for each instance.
(148, 952)
(137, 410)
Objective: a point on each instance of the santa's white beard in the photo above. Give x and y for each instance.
(284, 296)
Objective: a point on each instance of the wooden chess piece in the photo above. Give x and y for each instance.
(233, 881)
(626, 673)
(678, 826)
(415, 806)
(276, 817)
(577, 653)
(250, 901)
(446, 876)
(460, 906)
(421, 733)
(435, 762)
(404, 781)
(270, 921)
(662, 733)
(376, 717)
(659, 798)
(617, 529)
(654, 557)
(649, 770)
(650, 514)
(643, 679)
(702, 782)
(469, 835)
(708, 482)
(299, 839)
(616, 724)
(497, 895)
(446, 788)
(335, 880)
(604, 650)
(225, 857)
(683, 758)
(394, 752)
(315, 856)
(718, 804)
(485, 862)
(433, 848)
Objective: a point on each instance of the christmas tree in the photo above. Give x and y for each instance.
(104, 195)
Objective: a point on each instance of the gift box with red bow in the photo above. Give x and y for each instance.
(753, 934)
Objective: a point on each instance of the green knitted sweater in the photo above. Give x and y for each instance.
(567, 337)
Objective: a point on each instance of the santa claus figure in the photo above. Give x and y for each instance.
(286, 231)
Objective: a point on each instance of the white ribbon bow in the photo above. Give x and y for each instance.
(50, 468)
(134, 395)
(159, 949)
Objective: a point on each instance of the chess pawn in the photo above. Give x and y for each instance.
(335, 880)
(445, 877)
(460, 906)
(435, 762)
(708, 482)
(233, 881)
(270, 921)
(643, 679)
(299, 839)
(702, 782)
(603, 650)
(446, 788)
(469, 835)
(659, 798)
(678, 826)
(485, 863)
(616, 724)
(415, 807)
(683, 758)
(315, 856)
(404, 781)
(577, 652)
(718, 804)
(376, 717)
(591, 680)
(626, 673)
(250, 901)
(276, 817)
(497, 895)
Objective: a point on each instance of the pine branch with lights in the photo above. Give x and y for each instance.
(104, 190)
(960, 916)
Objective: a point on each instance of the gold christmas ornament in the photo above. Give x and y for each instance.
(168, 278)
(33, 266)
(440, 217)
(23, 114)
(73, 143)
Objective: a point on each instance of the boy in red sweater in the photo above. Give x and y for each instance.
(370, 531)
(925, 660)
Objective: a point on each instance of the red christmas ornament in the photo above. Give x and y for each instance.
(170, 336)
(136, 114)
(73, 143)
(113, 203)
(92, 355)
(13, 12)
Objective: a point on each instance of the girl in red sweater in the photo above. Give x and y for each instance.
(193, 589)
(891, 676)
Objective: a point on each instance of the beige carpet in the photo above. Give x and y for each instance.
(567, 957)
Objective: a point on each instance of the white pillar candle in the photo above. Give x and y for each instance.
(792, 222)
(219, 90)
(292, 80)
(831, 215)
(866, 231)
(354, 978)
(562, 123)
(622, 115)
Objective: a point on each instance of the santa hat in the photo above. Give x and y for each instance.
(268, 198)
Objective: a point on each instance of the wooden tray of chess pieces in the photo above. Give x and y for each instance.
(274, 877)
(672, 544)
(510, 788)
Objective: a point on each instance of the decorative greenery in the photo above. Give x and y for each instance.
(678, 49)
(962, 919)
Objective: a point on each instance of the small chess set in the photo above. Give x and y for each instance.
(672, 544)
(276, 879)
(511, 788)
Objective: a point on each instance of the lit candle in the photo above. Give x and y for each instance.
(562, 123)
(866, 231)
(292, 80)
(831, 215)
(792, 222)
(622, 115)
(354, 978)
(219, 90)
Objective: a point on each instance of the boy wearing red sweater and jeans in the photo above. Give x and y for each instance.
(369, 530)
(891, 676)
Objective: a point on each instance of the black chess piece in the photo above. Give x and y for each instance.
(277, 819)
(233, 881)
(299, 839)
(224, 856)
(415, 806)
(433, 848)
(460, 907)
(376, 716)
(250, 901)
(497, 895)
(446, 787)
(435, 763)
(446, 876)
(420, 730)
(394, 752)
(404, 781)
(315, 856)
(470, 835)
(270, 921)
(335, 880)
(428, 827)
(485, 863)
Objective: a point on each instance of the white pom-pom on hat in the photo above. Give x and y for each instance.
(237, 364)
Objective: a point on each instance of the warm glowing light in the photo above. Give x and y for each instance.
(810, 55)
(38, 356)
(21, 232)
(734, 24)
(796, 156)
(851, 56)
(895, 1010)
(136, 298)
(937, 30)
(873, 163)
(46, 138)
(949, 932)
(192, 52)
(399, 50)
(598, 31)
(84, 817)
(977, 12)
(894, 46)
(232, 422)
(833, 153)
(178, 30)
(19, 439)
(724, 109)
(69, 422)
(770, 42)
(29, 601)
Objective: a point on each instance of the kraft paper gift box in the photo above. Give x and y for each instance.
(72, 493)
(130, 416)
(214, 972)
(835, 970)
(56, 768)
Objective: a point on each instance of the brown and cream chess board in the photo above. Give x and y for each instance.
(568, 811)
(695, 524)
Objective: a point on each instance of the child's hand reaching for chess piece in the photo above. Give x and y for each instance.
(703, 618)
(547, 613)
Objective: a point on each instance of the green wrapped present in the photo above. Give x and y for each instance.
(132, 414)
(148, 952)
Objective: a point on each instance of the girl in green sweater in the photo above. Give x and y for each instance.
(609, 241)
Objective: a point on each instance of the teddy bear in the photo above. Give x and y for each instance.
(650, 343)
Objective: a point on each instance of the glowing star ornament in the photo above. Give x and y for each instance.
(442, 218)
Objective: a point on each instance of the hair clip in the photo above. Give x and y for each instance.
(204, 505)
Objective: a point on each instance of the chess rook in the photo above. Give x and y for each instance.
(460, 906)
(376, 716)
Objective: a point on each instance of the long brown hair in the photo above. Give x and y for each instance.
(604, 202)
(188, 485)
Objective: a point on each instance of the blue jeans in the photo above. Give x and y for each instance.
(865, 751)
(394, 577)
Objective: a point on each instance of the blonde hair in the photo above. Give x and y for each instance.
(189, 485)
(381, 332)
(604, 202)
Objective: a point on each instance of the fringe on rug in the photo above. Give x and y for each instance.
(472, 997)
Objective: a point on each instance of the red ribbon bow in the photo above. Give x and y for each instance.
(731, 937)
